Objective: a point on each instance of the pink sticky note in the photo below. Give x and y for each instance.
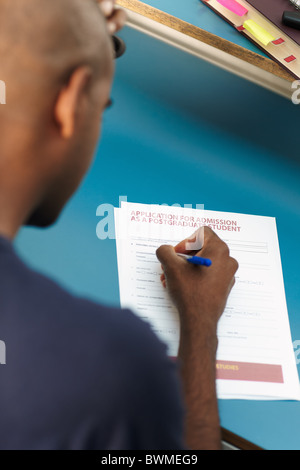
(234, 6)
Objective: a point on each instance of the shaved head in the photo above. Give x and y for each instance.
(56, 59)
(43, 41)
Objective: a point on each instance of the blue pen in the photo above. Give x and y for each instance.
(196, 260)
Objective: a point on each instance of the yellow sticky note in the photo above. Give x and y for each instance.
(258, 32)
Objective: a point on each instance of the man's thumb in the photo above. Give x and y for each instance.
(166, 254)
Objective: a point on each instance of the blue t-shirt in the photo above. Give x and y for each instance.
(79, 375)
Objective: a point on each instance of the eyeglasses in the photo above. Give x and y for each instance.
(119, 46)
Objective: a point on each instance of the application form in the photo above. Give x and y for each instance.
(255, 357)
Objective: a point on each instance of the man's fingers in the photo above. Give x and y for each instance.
(164, 253)
(234, 265)
(163, 281)
(191, 244)
(196, 241)
(210, 235)
(167, 256)
(182, 246)
(213, 247)
(116, 17)
(116, 21)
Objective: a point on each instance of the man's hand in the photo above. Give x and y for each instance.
(199, 292)
(116, 18)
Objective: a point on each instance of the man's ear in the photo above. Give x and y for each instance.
(70, 101)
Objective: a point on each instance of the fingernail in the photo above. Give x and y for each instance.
(107, 7)
(112, 27)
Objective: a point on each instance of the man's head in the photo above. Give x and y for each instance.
(57, 62)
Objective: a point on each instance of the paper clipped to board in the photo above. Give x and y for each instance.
(255, 357)
(234, 6)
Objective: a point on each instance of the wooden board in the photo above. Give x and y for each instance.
(286, 54)
(205, 37)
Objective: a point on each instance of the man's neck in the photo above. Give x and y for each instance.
(17, 200)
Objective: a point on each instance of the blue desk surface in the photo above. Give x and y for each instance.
(198, 14)
(182, 131)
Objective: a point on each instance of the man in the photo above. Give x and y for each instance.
(80, 375)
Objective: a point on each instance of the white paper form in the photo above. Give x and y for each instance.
(255, 358)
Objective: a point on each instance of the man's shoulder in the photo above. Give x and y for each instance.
(74, 363)
(47, 309)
